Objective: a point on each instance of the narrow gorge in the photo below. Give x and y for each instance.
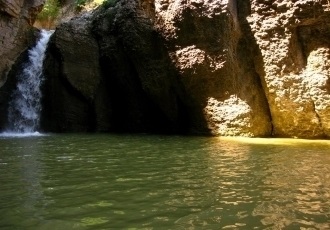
(253, 68)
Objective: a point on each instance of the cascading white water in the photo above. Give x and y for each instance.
(25, 106)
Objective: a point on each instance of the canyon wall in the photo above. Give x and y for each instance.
(16, 20)
(220, 67)
(212, 51)
(294, 42)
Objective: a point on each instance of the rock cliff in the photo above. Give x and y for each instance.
(293, 39)
(213, 54)
(16, 19)
(223, 67)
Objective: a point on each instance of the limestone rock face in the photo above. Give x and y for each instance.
(209, 48)
(16, 33)
(293, 38)
(222, 67)
(173, 66)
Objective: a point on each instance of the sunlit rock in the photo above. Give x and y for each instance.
(293, 40)
(208, 47)
(230, 117)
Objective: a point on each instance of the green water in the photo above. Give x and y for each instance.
(162, 182)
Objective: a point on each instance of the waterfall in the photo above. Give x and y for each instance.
(25, 105)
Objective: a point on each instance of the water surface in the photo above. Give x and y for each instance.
(163, 182)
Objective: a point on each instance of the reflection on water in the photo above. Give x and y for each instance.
(297, 193)
(163, 182)
(20, 179)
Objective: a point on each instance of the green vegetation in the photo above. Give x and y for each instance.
(50, 11)
(90, 4)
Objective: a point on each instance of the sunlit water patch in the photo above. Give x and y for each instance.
(276, 141)
(162, 182)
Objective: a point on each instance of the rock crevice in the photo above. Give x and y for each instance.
(293, 40)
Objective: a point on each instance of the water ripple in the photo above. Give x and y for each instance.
(161, 182)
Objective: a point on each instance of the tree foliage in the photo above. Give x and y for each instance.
(50, 10)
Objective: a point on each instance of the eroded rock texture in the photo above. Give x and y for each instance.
(224, 67)
(210, 50)
(293, 38)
